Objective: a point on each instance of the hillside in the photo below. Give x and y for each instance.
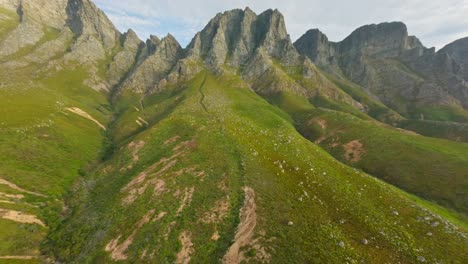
(240, 148)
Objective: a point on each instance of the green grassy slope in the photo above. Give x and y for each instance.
(374, 108)
(431, 168)
(178, 186)
(44, 148)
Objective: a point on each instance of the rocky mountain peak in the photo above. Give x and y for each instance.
(160, 57)
(315, 45)
(458, 51)
(130, 39)
(234, 36)
(385, 39)
(85, 18)
(169, 47)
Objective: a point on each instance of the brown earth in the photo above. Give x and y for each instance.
(82, 113)
(353, 151)
(184, 256)
(245, 230)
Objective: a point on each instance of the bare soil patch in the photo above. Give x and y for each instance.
(160, 216)
(117, 250)
(18, 257)
(215, 236)
(82, 113)
(169, 230)
(322, 123)
(20, 217)
(184, 255)
(11, 196)
(135, 147)
(218, 212)
(353, 151)
(245, 230)
(15, 187)
(186, 200)
(150, 175)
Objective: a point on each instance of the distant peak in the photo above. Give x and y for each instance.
(272, 12)
(382, 28)
(247, 9)
(131, 35)
(154, 39)
(170, 36)
(170, 39)
(314, 32)
(131, 32)
(85, 18)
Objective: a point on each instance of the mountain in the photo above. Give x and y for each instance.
(387, 63)
(241, 147)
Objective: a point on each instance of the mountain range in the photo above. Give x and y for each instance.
(243, 147)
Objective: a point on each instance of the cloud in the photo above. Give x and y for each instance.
(435, 22)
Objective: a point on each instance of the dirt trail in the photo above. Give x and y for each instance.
(15, 187)
(245, 230)
(202, 99)
(20, 217)
(17, 257)
(184, 256)
(11, 196)
(82, 113)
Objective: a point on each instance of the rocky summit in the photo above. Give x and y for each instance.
(243, 147)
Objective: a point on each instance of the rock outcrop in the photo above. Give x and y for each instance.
(458, 51)
(151, 73)
(124, 60)
(316, 46)
(235, 36)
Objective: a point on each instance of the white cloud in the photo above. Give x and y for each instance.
(435, 22)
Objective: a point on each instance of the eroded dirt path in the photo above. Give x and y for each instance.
(15, 187)
(117, 250)
(18, 257)
(82, 113)
(186, 200)
(20, 217)
(184, 255)
(203, 96)
(245, 230)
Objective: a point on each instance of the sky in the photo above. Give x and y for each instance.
(435, 22)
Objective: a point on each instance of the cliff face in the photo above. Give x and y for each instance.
(458, 51)
(393, 66)
(150, 74)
